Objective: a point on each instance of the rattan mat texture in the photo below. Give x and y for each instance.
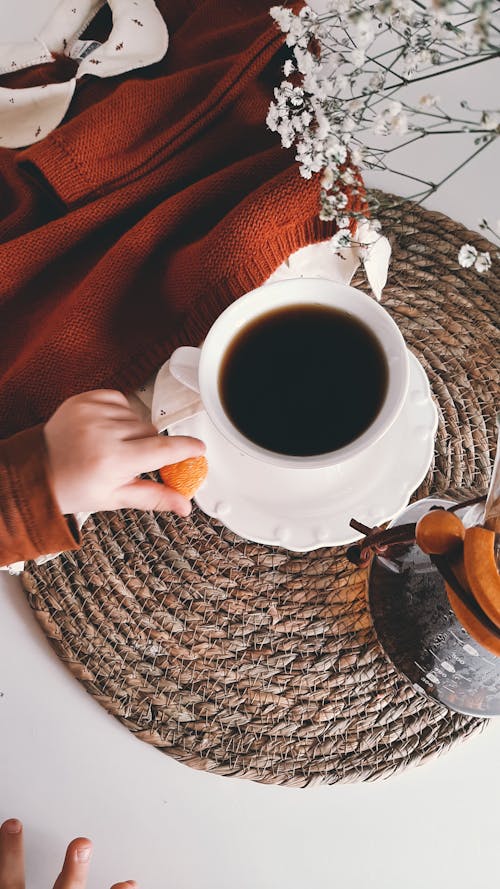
(252, 661)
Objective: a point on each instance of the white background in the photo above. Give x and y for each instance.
(68, 769)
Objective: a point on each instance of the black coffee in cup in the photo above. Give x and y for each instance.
(303, 380)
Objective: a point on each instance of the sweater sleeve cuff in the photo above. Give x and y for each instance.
(31, 523)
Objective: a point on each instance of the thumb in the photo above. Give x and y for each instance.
(148, 495)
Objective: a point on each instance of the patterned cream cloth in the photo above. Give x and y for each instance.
(139, 37)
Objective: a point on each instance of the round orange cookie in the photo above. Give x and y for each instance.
(186, 476)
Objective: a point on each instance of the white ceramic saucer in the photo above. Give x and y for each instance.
(303, 510)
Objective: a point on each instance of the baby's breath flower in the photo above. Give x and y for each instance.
(348, 176)
(363, 27)
(310, 158)
(341, 200)
(340, 81)
(335, 149)
(302, 28)
(467, 256)
(286, 132)
(437, 28)
(283, 17)
(339, 6)
(376, 81)
(323, 124)
(483, 263)
(357, 154)
(380, 127)
(273, 117)
(392, 119)
(423, 58)
(331, 110)
(403, 9)
(306, 62)
(328, 210)
(428, 101)
(341, 239)
(358, 57)
(490, 120)
(333, 203)
(327, 178)
(394, 109)
(349, 124)
(400, 124)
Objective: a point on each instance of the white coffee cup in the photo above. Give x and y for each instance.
(199, 368)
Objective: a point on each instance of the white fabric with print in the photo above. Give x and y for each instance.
(138, 37)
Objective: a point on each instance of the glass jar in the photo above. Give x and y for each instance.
(420, 632)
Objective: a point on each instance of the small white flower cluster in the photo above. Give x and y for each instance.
(468, 256)
(341, 239)
(301, 116)
(393, 119)
(340, 90)
(490, 120)
(428, 101)
(369, 229)
(288, 115)
(299, 28)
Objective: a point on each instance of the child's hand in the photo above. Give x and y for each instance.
(74, 870)
(98, 446)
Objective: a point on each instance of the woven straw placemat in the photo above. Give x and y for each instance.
(249, 660)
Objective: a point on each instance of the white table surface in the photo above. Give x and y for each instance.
(67, 768)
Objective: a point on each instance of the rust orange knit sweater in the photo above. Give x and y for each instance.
(31, 523)
(160, 199)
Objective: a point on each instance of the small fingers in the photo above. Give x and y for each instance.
(76, 865)
(134, 429)
(149, 495)
(127, 884)
(148, 454)
(100, 403)
(105, 396)
(11, 855)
